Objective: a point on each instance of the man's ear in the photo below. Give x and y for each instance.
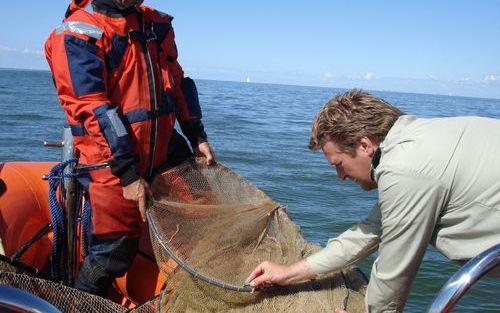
(367, 146)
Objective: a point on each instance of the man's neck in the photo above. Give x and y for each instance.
(375, 162)
(109, 7)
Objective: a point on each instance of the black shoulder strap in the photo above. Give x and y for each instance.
(142, 36)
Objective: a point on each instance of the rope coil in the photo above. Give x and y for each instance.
(86, 216)
(58, 218)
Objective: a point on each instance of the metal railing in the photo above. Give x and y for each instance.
(463, 279)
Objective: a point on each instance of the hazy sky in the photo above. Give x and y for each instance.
(428, 46)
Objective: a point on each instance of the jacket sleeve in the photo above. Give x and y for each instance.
(75, 55)
(350, 247)
(410, 207)
(187, 105)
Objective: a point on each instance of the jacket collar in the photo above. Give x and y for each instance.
(392, 139)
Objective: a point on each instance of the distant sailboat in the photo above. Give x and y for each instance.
(248, 79)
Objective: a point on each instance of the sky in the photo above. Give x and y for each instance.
(449, 47)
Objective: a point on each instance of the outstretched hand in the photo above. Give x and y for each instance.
(139, 192)
(204, 150)
(267, 274)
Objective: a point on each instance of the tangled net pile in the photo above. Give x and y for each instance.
(217, 227)
(65, 298)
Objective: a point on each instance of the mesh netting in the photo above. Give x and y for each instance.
(65, 298)
(217, 226)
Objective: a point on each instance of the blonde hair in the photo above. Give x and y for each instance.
(350, 116)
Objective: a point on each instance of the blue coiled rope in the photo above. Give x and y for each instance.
(55, 177)
(85, 225)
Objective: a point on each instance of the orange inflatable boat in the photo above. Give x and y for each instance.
(25, 218)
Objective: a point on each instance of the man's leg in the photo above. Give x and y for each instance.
(107, 260)
(115, 231)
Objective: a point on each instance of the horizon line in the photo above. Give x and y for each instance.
(296, 85)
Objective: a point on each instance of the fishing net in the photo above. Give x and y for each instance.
(65, 298)
(210, 228)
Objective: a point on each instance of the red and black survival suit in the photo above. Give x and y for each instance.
(121, 87)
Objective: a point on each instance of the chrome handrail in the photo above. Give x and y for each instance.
(464, 278)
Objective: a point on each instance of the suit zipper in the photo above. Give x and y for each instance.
(154, 101)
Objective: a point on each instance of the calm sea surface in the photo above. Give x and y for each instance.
(262, 131)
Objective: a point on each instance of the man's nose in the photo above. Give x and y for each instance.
(340, 172)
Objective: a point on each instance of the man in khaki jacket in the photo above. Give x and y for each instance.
(438, 182)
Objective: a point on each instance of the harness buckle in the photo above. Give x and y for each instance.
(150, 36)
(141, 36)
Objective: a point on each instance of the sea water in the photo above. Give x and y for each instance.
(262, 131)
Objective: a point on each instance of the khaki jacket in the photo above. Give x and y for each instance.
(438, 183)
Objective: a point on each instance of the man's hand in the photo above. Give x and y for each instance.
(204, 150)
(268, 273)
(139, 192)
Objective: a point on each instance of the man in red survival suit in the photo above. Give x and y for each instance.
(114, 64)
